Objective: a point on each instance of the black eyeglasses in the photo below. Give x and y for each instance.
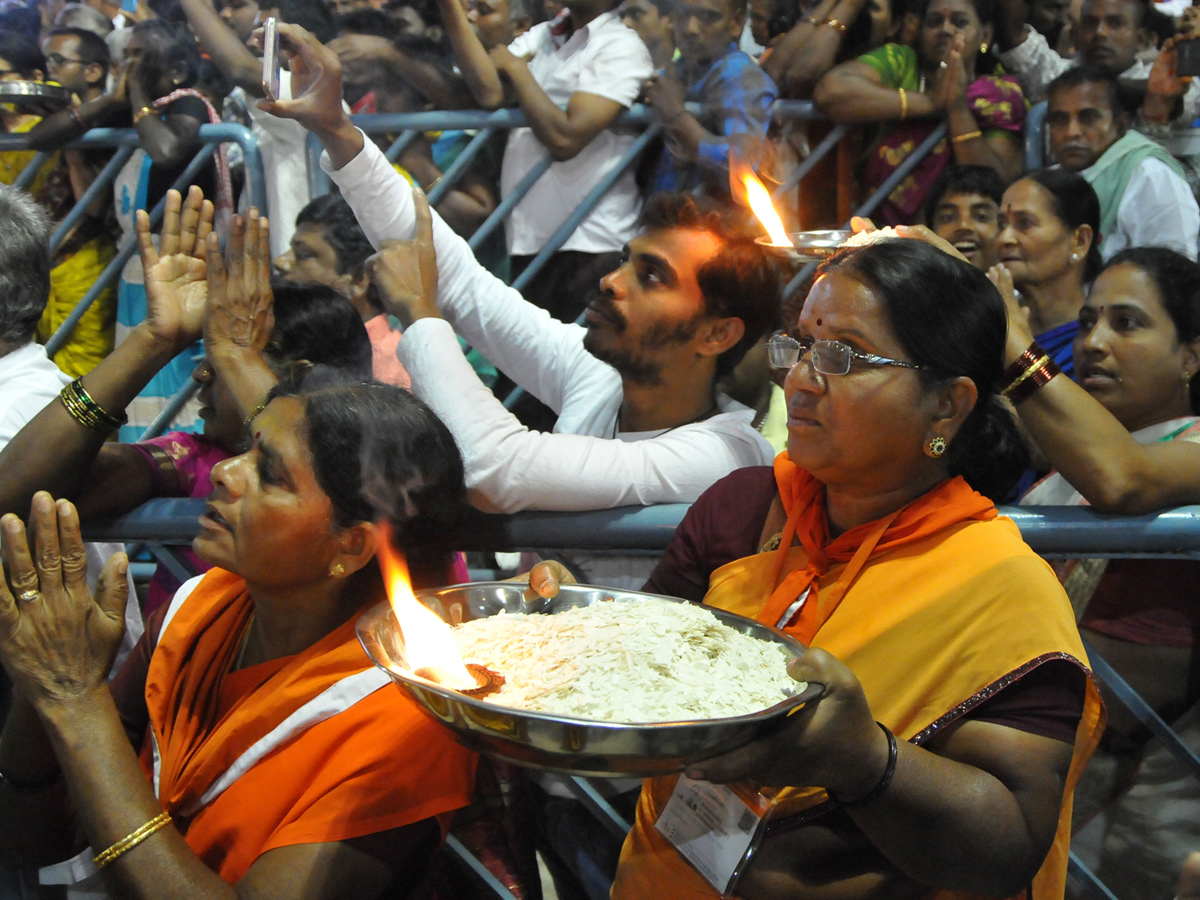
(828, 357)
(57, 59)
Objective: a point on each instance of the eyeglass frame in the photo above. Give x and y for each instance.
(787, 343)
(62, 60)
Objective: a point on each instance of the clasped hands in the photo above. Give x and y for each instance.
(191, 292)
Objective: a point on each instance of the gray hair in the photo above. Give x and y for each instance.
(79, 15)
(24, 265)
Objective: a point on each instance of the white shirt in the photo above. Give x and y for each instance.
(509, 467)
(282, 145)
(29, 381)
(1157, 209)
(1035, 64)
(609, 60)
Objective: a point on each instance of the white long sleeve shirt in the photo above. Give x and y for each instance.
(585, 463)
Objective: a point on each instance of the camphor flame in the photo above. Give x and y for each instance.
(760, 202)
(428, 643)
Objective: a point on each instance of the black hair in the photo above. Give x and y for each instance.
(958, 180)
(1119, 99)
(1075, 203)
(311, 14)
(342, 232)
(951, 322)
(380, 454)
(167, 47)
(169, 11)
(1177, 280)
(784, 16)
(317, 324)
(25, 21)
(367, 21)
(21, 53)
(984, 9)
(92, 47)
(742, 279)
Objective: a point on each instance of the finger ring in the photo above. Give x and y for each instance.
(28, 596)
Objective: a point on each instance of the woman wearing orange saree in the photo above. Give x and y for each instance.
(958, 710)
(270, 758)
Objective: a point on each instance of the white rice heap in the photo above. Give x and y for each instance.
(631, 661)
(866, 238)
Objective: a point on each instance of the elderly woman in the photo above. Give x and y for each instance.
(958, 711)
(269, 758)
(908, 91)
(1050, 243)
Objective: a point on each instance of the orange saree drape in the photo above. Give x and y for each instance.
(309, 749)
(935, 608)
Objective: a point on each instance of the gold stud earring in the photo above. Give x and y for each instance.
(983, 47)
(937, 447)
(337, 570)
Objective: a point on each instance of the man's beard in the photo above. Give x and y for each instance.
(635, 364)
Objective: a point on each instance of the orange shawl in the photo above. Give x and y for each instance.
(935, 608)
(318, 749)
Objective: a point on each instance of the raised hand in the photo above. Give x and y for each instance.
(405, 272)
(57, 642)
(1164, 86)
(240, 314)
(175, 272)
(316, 81)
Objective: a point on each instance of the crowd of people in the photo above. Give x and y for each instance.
(1021, 336)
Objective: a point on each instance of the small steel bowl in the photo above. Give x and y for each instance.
(37, 96)
(558, 743)
(810, 246)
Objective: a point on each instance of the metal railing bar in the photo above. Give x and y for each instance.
(25, 179)
(318, 182)
(189, 390)
(102, 183)
(1075, 531)
(815, 156)
(494, 884)
(1035, 146)
(586, 793)
(401, 144)
(166, 556)
(1087, 879)
(126, 250)
(505, 206)
(890, 183)
(1144, 712)
(458, 168)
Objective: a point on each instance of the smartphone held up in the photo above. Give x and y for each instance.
(270, 59)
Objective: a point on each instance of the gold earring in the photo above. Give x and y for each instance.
(937, 447)
(1187, 379)
(337, 570)
(983, 47)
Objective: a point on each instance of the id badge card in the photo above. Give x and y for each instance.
(715, 827)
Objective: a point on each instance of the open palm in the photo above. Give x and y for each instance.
(176, 272)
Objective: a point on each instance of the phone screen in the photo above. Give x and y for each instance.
(270, 72)
(1187, 58)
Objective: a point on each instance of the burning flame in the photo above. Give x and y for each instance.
(760, 203)
(428, 643)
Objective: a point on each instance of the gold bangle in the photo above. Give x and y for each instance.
(253, 414)
(969, 136)
(837, 26)
(87, 412)
(903, 103)
(142, 113)
(434, 183)
(1008, 391)
(131, 840)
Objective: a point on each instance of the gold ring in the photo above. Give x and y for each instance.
(28, 596)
